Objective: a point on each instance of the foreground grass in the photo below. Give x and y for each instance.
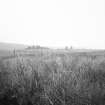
(53, 79)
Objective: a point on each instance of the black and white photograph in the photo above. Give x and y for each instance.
(52, 52)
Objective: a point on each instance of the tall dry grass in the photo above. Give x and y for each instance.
(61, 79)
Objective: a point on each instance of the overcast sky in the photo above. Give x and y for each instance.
(53, 23)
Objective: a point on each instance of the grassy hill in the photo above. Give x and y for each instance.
(11, 46)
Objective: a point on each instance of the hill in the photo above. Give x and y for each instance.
(11, 46)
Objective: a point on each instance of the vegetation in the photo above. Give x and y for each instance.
(53, 78)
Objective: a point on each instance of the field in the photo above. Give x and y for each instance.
(52, 77)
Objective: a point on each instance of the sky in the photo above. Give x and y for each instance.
(53, 23)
